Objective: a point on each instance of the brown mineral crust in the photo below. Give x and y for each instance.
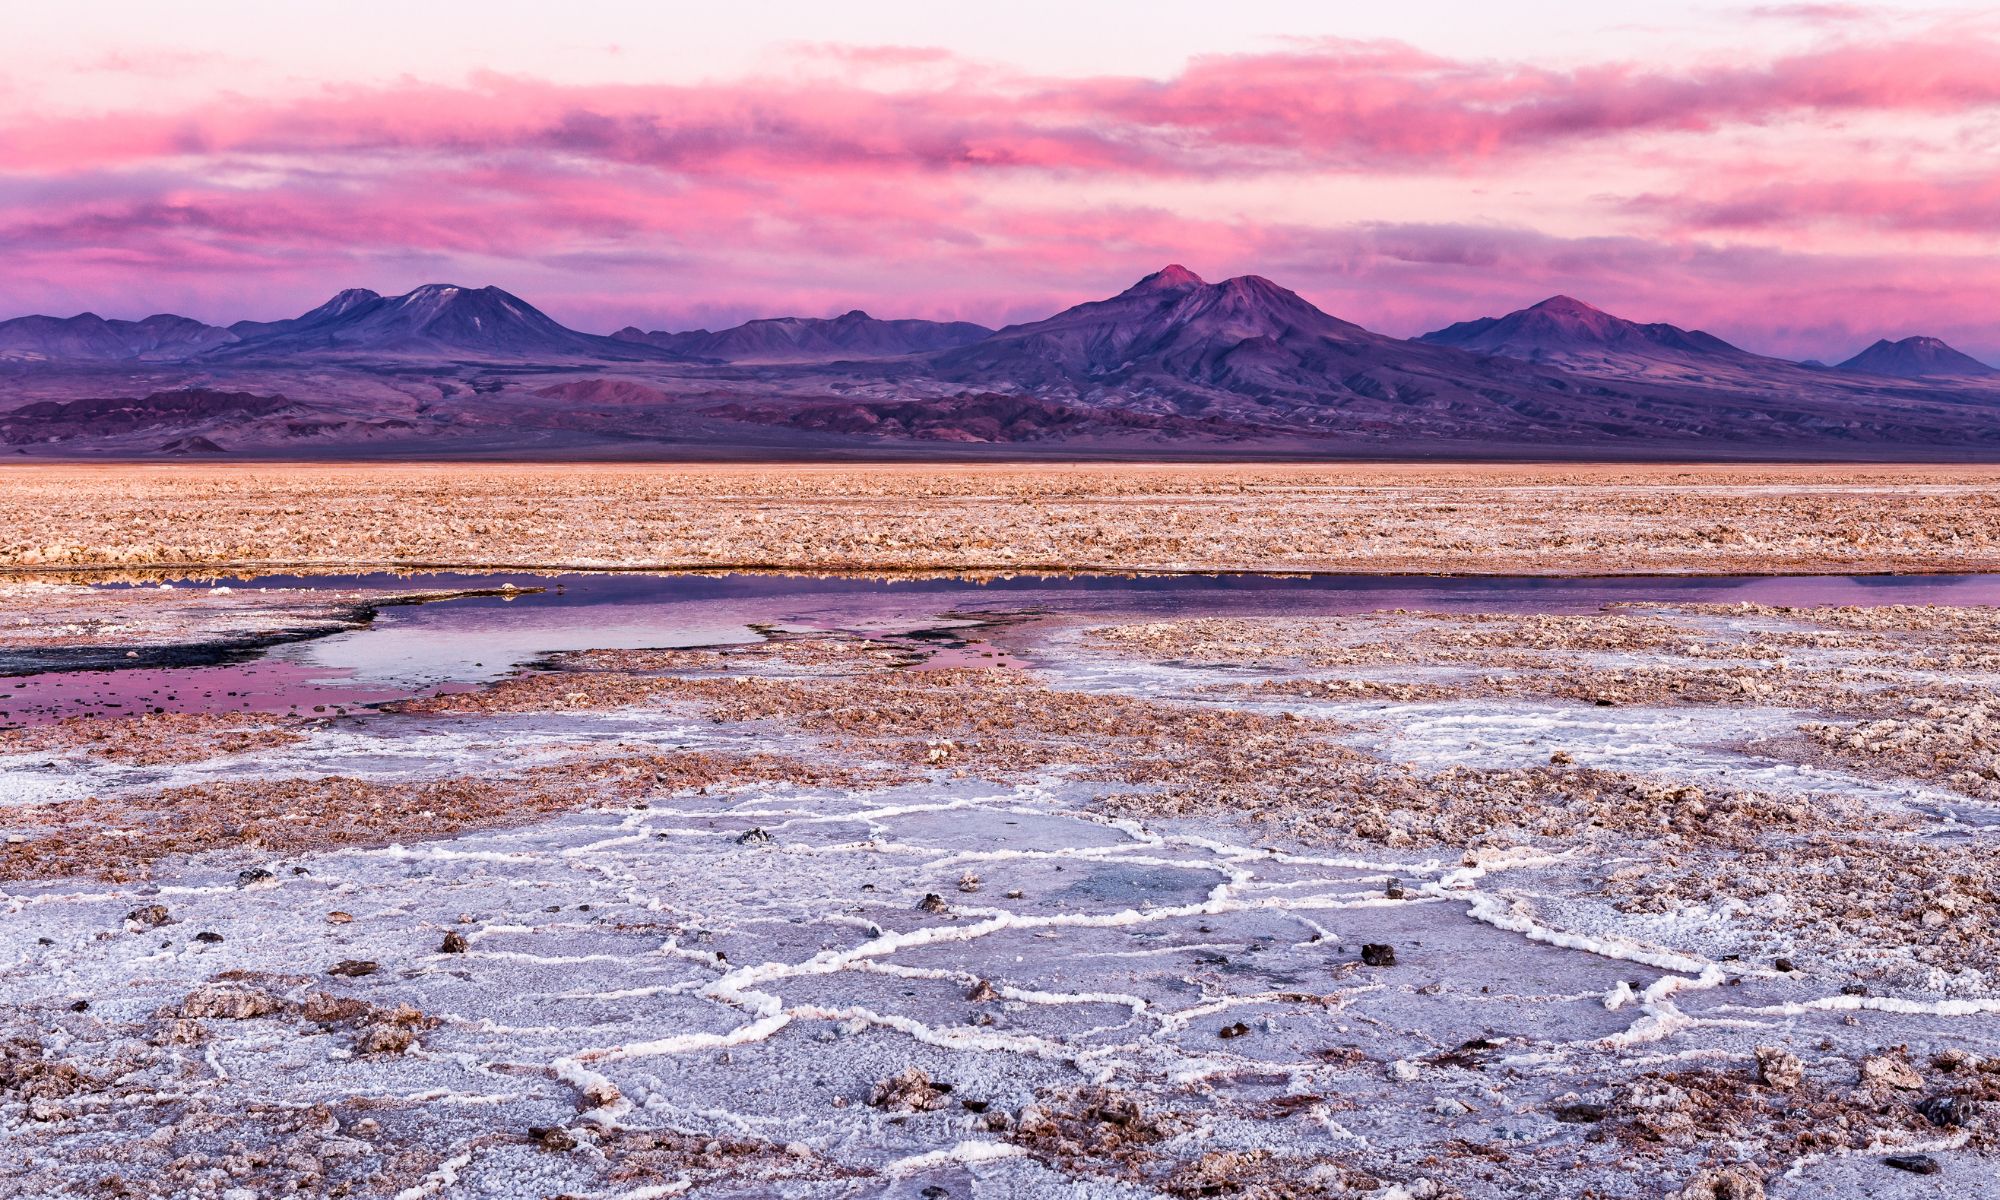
(157, 739)
(639, 1158)
(119, 837)
(1661, 1113)
(1337, 800)
(1950, 740)
(1202, 759)
(997, 719)
(1078, 1128)
(1934, 901)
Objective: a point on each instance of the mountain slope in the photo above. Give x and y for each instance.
(88, 337)
(1242, 332)
(1568, 333)
(342, 303)
(1917, 358)
(853, 335)
(438, 321)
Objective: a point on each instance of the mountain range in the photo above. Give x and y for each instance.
(1171, 365)
(853, 335)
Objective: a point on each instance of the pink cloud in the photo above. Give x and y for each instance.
(912, 182)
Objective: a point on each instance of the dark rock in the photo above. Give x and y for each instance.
(933, 903)
(1947, 1110)
(149, 916)
(1395, 890)
(1236, 1030)
(1579, 1114)
(1784, 964)
(552, 1139)
(909, 1091)
(753, 837)
(1854, 989)
(80, 1006)
(982, 992)
(354, 968)
(1915, 1164)
(208, 938)
(1376, 954)
(253, 875)
(454, 943)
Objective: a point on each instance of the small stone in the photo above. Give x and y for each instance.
(254, 876)
(909, 1091)
(1376, 954)
(230, 1002)
(982, 992)
(354, 968)
(1915, 1164)
(1727, 1184)
(1946, 1110)
(753, 837)
(336, 917)
(933, 903)
(1236, 1030)
(149, 916)
(1580, 1113)
(552, 1139)
(1779, 1068)
(1561, 758)
(80, 1006)
(385, 1039)
(1395, 890)
(1854, 989)
(177, 1032)
(454, 943)
(1884, 1071)
(1784, 964)
(208, 938)
(968, 882)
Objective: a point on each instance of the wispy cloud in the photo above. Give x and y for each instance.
(914, 180)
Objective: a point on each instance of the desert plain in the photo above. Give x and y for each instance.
(473, 870)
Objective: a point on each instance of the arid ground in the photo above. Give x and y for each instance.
(878, 891)
(1516, 520)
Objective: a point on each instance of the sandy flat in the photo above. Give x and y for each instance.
(1479, 519)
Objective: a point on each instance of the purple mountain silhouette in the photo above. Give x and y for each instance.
(1172, 364)
(342, 303)
(438, 320)
(1245, 330)
(854, 335)
(1916, 358)
(88, 337)
(1569, 333)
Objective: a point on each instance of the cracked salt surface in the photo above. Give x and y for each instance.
(653, 970)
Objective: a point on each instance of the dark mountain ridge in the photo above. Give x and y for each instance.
(88, 337)
(853, 335)
(1171, 365)
(1566, 332)
(437, 320)
(1917, 358)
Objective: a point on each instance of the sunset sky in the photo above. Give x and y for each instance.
(1798, 178)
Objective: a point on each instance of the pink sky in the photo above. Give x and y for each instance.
(1799, 178)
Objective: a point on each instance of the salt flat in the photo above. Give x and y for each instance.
(1245, 900)
(1481, 519)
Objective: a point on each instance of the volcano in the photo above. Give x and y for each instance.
(1917, 358)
